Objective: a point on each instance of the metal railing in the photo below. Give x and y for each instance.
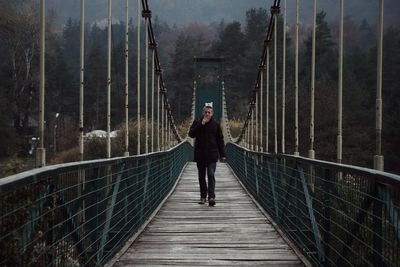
(81, 214)
(338, 215)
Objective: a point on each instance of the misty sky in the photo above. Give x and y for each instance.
(181, 12)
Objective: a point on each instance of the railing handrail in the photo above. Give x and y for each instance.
(337, 214)
(385, 176)
(11, 182)
(83, 211)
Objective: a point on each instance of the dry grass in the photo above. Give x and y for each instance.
(16, 165)
(69, 155)
(96, 148)
(183, 127)
(235, 126)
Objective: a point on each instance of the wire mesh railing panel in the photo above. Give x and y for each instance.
(81, 214)
(338, 215)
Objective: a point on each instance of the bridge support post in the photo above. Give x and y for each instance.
(378, 158)
(41, 151)
(378, 162)
(327, 215)
(311, 154)
(311, 216)
(110, 208)
(377, 227)
(40, 157)
(126, 85)
(272, 183)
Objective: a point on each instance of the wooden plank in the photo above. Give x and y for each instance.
(161, 246)
(221, 254)
(204, 263)
(233, 233)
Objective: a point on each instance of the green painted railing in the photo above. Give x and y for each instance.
(338, 215)
(81, 214)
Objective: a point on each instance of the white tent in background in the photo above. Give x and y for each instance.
(113, 134)
(96, 133)
(100, 134)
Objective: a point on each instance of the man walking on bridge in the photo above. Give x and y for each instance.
(208, 147)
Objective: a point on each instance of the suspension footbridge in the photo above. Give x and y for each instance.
(273, 208)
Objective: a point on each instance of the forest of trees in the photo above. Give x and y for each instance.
(239, 44)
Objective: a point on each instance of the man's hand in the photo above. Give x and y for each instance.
(205, 120)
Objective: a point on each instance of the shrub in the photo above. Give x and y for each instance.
(235, 126)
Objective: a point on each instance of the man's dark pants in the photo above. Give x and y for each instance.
(202, 168)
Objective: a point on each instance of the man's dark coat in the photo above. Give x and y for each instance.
(209, 143)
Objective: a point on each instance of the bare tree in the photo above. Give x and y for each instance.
(19, 32)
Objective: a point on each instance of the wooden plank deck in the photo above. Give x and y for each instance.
(233, 233)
